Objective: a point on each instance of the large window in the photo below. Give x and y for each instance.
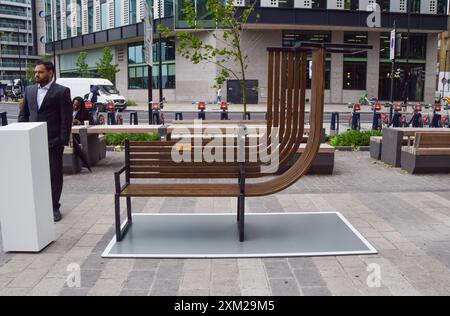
(411, 62)
(355, 66)
(90, 16)
(417, 46)
(132, 10)
(104, 15)
(138, 71)
(117, 13)
(291, 38)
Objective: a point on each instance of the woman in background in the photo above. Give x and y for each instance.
(80, 114)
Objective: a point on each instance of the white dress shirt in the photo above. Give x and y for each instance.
(42, 92)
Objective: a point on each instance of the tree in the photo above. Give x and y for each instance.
(105, 68)
(82, 66)
(29, 73)
(230, 20)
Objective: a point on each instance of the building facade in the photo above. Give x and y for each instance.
(90, 25)
(18, 39)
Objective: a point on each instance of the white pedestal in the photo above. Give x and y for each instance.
(26, 212)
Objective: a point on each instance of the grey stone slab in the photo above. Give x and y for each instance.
(126, 292)
(276, 269)
(89, 277)
(94, 262)
(165, 287)
(309, 277)
(74, 292)
(316, 291)
(139, 280)
(284, 287)
(169, 271)
(146, 264)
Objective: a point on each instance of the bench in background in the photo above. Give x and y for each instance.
(429, 154)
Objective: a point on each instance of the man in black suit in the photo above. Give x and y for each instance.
(49, 102)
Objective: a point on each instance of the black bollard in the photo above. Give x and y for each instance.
(156, 118)
(178, 116)
(201, 115)
(224, 116)
(334, 123)
(4, 118)
(134, 118)
(356, 121)
(111, 118)
(376, 123)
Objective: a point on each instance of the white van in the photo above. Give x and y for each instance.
(79, 87)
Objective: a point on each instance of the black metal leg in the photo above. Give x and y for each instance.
(241, 214)
(120, 233)
(238, 207)
(130, 219)
(117, 211)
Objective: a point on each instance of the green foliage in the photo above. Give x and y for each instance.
(131, 103)
(46, 57)
(354, 138)
(119, 139)
(29, 73)
(82, 66)
(106, 68)
(228, 51)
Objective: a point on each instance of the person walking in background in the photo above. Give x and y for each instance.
(47, 101)
(219, 96)
(93, 95)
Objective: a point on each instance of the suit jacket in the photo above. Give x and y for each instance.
(56, 110)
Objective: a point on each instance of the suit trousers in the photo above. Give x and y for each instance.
(56, 174)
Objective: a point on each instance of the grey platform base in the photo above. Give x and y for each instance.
(214, 236)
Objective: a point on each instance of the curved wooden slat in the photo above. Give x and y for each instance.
(303, 164)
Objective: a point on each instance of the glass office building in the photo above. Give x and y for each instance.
(88, 25)
(17, 39)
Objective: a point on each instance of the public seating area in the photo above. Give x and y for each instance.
(416, 150)
(430, 153)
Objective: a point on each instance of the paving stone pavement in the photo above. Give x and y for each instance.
(407, 218)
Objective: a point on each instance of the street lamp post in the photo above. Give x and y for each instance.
(407, 75)
(53, 24)
(444, 79)
(391, 112)
(20, 59)
(161, 98)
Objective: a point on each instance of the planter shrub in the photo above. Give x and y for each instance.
(354, 138)
(119, 139)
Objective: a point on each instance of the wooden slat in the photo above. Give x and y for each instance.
(193, 163)
(303, 164)
(182, 190)
(270, 93)
(186, 169)
(432, 140)
(432, 151)
(282, 108)
(276, 93)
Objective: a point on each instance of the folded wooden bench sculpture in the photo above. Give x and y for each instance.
(287, 70)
